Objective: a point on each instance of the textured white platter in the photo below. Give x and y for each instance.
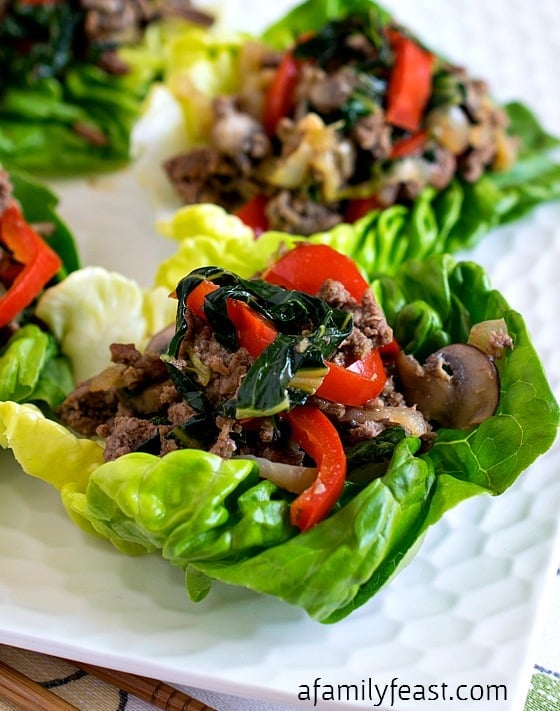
(466, 609)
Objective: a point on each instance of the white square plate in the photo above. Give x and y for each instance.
(464, 611)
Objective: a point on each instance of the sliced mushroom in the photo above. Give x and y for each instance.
(458, 386)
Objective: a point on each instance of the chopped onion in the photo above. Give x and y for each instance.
(320, 152)
(449, 125)
(506, 151)
(288, 476)
(409, 418)
(108, 378)
(491, 337)
(410, 169)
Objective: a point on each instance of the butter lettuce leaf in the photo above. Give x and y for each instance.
(207, 234)
(324, 569)
(190, 504)
(32, 369)
(57, 456)
(312, 15)
(94, 307)
(202, 64)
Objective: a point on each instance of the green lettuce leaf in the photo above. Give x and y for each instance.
(312, 15)
(324, 569)
(207, 234)
(217, 521)
(33, 370)
(190, 504)
(201, 65)
(53, 444)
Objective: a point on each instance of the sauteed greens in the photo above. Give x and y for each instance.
(266, 390)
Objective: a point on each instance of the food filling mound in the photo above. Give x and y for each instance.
(356, 116)
(296, 368)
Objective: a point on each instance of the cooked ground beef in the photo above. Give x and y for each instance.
(289, 212)
(110, 22)
(226, 368)
(206, 175)
(130, 434)
(222, 173)
(371, 329)
(140, 369)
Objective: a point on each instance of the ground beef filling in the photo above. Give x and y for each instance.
(133, 404)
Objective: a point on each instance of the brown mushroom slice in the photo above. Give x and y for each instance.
(458, 386)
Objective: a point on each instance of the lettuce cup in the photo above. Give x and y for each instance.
(296, 433)
(336, 112)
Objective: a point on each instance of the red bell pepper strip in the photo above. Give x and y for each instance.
(254, 332)
(390, 351)
(253, 214)
(307, 266)
(39, 262)
(361, 381)
(410, 83)
(411, 144)
(360, 207)
(317, 435)
(195, 300)
(279, 100)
